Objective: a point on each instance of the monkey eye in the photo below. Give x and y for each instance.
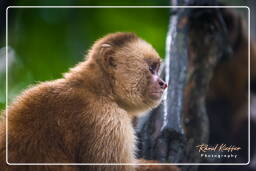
(152, 68)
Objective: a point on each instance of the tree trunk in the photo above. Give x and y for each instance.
(197, 38)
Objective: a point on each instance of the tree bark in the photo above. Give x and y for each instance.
(197, 39)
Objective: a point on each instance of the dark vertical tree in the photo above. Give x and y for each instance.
(197, 39)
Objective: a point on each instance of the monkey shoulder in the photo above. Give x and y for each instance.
(46, 104)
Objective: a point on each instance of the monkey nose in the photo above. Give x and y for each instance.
(162, 84)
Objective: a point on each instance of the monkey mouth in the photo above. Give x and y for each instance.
(156, 95)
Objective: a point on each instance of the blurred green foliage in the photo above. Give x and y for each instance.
(46, 42)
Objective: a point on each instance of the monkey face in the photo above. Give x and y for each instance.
(137, 84)
(156, 84)
(131, 66)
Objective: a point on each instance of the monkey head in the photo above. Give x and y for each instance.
(131, 65)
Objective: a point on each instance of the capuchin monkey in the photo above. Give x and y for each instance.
(86, 117)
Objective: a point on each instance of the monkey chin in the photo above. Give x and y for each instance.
(157, 102)
(156, 96)
(154, 99)
(149, 103)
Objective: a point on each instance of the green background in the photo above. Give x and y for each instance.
(45, 42)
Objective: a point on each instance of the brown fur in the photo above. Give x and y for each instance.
(85, 117)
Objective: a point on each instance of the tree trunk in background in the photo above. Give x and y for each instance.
(196, 40)
(252, 6)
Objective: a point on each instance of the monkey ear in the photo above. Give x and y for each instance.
(105, 48)
(105, 45)
(107, 51)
